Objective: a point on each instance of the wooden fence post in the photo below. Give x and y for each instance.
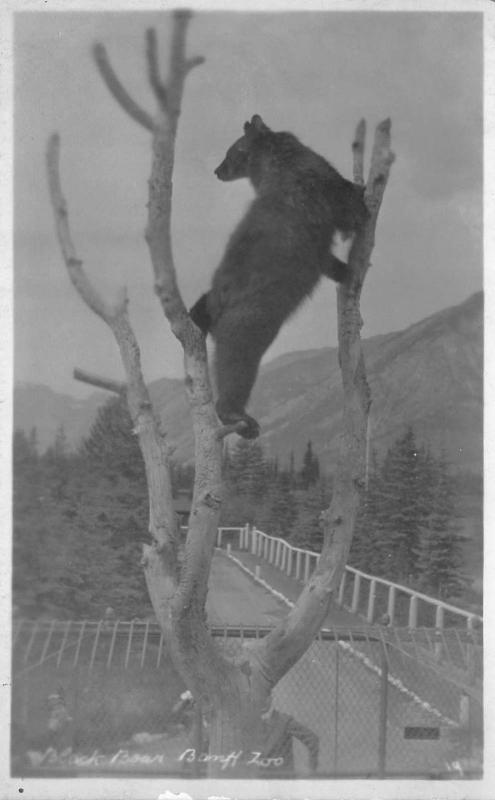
(355, 592)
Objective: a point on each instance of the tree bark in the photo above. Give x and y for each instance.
(232, 691)
(117, 387)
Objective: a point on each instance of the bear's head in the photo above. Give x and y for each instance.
(237, 162)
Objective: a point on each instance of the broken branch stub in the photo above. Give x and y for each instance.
(118, 91)
(358, 153)
(159, 88)
(100, 382)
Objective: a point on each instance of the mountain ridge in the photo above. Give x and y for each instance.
(428, 375)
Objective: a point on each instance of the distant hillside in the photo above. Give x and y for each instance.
(428, 376)
(38, 406)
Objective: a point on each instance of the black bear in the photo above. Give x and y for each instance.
(275, 257)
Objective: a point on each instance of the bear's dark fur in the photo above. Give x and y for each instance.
(275, 257)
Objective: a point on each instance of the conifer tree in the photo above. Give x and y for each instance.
(247, 469)
(274, 471)
(226, 462)
(75, 523)
(439, 549)
(247, 475)
(111, 446)
(401, 506)
(366, 553)
(406, 527)
(292, 470)
(307, 530)
(182, 476)
(310, 471)
(278, 513)
(116, 493)
(56, 464)
(27, 507)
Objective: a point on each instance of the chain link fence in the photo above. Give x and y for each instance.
(101, 697)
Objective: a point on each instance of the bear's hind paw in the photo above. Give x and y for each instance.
(248, 428)
(242, 424)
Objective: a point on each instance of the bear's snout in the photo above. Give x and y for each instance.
(223, 171)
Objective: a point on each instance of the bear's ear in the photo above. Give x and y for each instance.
(258, 124)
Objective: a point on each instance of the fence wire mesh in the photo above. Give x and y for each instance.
(99, 697)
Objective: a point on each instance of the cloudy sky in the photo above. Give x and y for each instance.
(315, 74)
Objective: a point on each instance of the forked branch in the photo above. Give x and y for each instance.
(115, 87)
(285, 645)
(117, 387)
(163, 525)
(156, 83)
(179, 600)
(206, 504)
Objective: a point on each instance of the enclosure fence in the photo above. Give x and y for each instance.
(360, 593)
(383, 702)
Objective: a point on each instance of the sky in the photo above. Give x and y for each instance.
(312, 73)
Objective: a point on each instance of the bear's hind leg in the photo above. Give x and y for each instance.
(235, 377)
(240, 345)
(200, 315)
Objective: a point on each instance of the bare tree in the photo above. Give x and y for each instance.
(232, 691)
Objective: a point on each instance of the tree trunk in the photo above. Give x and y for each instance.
(231, 691)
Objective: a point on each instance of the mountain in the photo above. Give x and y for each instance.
(429, 375)
(38, 406)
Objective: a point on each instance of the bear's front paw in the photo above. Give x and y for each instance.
(250, 428)
(243, 424)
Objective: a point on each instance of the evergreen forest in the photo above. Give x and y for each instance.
(80, 518)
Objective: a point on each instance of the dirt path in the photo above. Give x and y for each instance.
(290, 588)
(235, 599)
